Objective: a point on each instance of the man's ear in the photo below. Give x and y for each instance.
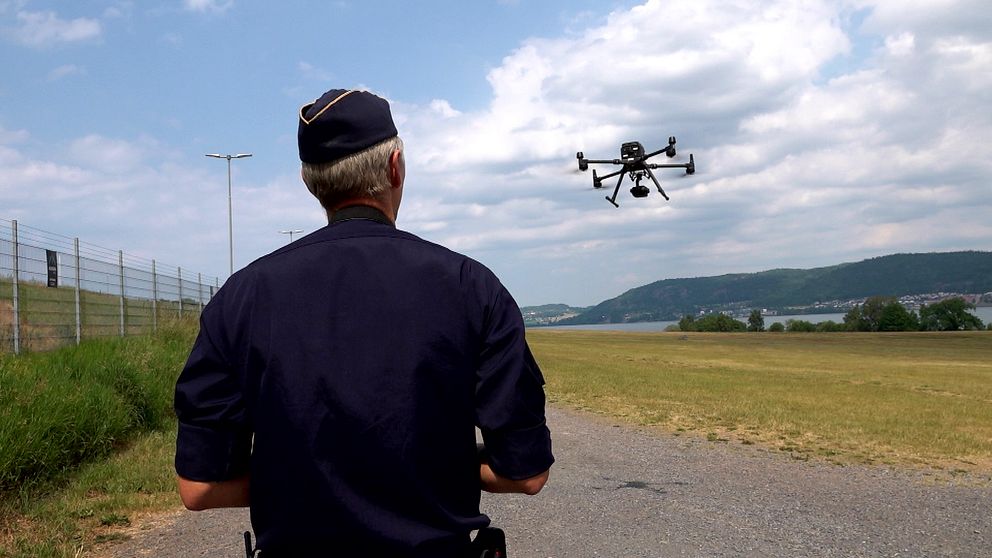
(397, 169)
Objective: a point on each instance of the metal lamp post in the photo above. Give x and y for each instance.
(291, 232)
(230, 213)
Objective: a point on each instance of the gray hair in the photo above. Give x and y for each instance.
(361, 175)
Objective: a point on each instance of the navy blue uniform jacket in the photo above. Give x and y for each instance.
(347, 372)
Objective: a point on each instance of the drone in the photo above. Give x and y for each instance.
(634, 163)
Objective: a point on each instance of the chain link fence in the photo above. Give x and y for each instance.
(56, 290)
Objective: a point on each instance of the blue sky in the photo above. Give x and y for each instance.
(824, 131)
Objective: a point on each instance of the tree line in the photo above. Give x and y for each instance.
(878, 313)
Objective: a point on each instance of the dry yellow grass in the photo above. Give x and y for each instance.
(922, 399)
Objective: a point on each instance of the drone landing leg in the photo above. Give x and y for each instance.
(616, 190)
(655, 180)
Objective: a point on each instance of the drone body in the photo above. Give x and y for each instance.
(633, 159)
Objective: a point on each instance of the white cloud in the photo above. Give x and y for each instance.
(215, 6)
(140, 196)
(109, 155)
(443, 109)
(792, 171)
(900, 45)
(43, 29)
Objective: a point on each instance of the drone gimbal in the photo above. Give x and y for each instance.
(633, 159)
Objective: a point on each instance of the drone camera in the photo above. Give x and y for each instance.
(639, 191)
(631, 150)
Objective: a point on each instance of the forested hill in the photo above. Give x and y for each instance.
(780, 289)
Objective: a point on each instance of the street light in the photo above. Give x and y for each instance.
(290, 233)
(230, 213)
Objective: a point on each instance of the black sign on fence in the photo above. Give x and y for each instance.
(53, 267)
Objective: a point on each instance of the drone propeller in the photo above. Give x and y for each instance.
(670, 150)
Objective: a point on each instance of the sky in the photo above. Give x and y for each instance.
(823, 131)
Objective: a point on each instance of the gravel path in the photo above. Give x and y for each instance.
(618, 491)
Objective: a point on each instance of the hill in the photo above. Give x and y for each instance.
(824, 289)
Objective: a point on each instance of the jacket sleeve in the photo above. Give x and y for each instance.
(214, 438)
(510, 395)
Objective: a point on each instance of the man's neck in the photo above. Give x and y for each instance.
(383, 207)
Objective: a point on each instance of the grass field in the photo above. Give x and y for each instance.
(919, 399)
(86, 439)
(903, 399)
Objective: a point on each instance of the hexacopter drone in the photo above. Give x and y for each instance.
(634, 163)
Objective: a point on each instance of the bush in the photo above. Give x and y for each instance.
(687, 323)
(881, 313)
(800, 326)
(61, 408)
(755, 321)
(776, 327)
(949, 315)
(830, 326)
(719, 322)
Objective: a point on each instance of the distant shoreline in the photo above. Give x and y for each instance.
(984, 313)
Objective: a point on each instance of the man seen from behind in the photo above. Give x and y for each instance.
(336, 384)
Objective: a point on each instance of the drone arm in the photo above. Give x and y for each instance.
(669, 151)
(653, 153)
(612, 174)
(605, 161)
(667, 166)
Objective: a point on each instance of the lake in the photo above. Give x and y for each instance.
(984, 313)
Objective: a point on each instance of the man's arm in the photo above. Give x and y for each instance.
(199, 496)
(214, 438)
(491, 482)
(510, 401)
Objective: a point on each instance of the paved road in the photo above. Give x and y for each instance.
(624, 492)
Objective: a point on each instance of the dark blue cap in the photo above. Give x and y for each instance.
(343, 122)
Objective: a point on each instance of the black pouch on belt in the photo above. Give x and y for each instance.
(490, 542)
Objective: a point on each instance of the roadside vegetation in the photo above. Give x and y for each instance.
(86, 436)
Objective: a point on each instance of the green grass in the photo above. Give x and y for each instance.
(60, 408)
(914, 399)
(86, 438)
(48, 315)
(95, 505)
(922, 399)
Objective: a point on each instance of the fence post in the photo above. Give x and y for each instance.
(120, 267)
(199, 285)
(154, 300)
(79, 273)
(17, 314)
(180, 273)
